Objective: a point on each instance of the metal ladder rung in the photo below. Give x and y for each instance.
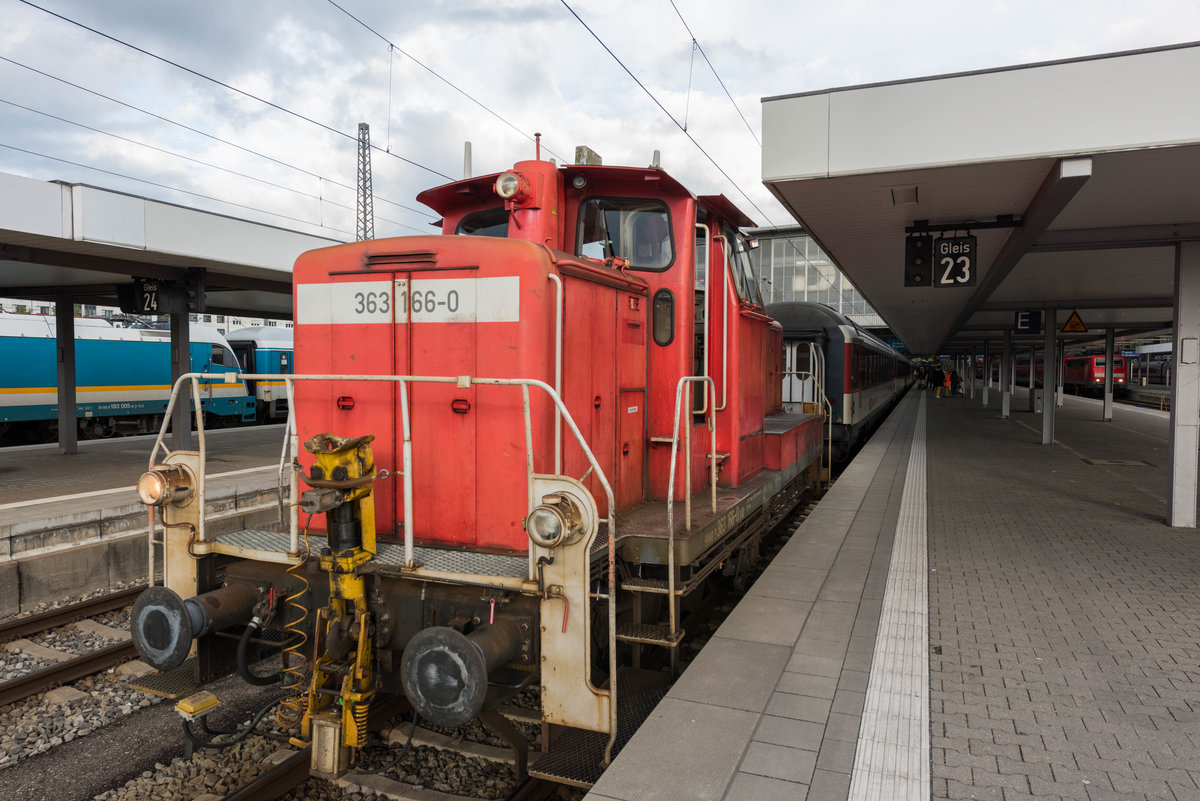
(648, 634)
(656, 586)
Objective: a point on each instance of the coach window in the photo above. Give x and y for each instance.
(489, 222)
(285, 362)
(636, 230)
(664, 317)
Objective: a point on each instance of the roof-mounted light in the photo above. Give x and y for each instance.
(508, 185)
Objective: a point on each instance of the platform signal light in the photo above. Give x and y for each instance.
(195, 290)
(918, 260)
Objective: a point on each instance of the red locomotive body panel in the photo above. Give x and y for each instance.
(486, 306)
(483, 308)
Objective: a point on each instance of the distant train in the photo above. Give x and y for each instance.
(863, 376)
(263, 349)
(1086, 373)
(1081, 374)
(123, 378)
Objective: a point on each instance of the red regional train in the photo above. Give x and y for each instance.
(1080, 373)
(506, 447)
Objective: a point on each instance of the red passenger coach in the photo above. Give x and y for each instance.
(513, 433)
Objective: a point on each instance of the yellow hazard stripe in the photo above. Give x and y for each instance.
(132, 388)
(38, 390)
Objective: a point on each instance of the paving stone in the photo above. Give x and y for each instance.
(1066, 619)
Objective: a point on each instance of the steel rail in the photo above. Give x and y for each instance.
(68, 614)
(41, 680)
(276, 781)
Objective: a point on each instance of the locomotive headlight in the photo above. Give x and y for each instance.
(507, 185)
(555, 522)
(164, 485)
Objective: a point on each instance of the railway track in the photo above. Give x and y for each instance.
(67, 668)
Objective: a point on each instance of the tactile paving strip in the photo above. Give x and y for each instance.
(891, 762)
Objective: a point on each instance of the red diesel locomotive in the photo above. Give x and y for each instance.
(527, 443)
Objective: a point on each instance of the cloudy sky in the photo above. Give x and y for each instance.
(251, 108)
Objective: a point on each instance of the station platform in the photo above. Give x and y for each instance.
(966, 614)
(72, 523)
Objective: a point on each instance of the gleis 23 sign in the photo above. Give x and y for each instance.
(955, 261)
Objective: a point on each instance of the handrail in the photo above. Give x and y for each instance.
(728, 285)
(403, 381)
(687, 493)
(816, 360)
(708, 242)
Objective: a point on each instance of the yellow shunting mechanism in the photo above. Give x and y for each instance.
(339, 693)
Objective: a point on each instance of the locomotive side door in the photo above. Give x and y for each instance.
(631, 408)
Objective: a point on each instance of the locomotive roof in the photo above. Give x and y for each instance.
(449, 196)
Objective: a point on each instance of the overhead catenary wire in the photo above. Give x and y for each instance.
(696, 46)
(207, 135)
(230, 87)
(115, 174)
(392, 46)
(173, 154)
(692, 139)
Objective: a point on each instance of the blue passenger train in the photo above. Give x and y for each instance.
(122, 375)
(265, 350)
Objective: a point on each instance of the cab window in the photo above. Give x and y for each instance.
(489, 222)
(626, 228)
(243, 353)
(744, 279)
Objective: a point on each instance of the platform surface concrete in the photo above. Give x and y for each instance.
(1063, 627)
(73, 524)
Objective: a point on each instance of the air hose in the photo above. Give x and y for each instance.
(243, 666)
(236, 738)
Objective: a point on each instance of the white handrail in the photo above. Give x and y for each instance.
(687, 493)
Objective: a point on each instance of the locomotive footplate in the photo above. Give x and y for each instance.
(575, 756)
(642, 532)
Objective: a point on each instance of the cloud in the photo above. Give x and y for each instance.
(526, 65)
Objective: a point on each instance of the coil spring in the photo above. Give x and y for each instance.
(295, 664)
(360, 721)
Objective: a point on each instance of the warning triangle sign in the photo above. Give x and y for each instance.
(1074, 325)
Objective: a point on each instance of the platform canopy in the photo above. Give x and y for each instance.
(77, 241)
(1076, 178)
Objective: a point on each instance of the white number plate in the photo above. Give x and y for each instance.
(344, 303)
(424, 300)
(458, 300)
